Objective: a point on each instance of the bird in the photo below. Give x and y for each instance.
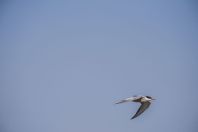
(144, 100)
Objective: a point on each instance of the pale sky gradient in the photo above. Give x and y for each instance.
(65, 63)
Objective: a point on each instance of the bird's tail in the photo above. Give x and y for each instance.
(131, 99)
(121, 101)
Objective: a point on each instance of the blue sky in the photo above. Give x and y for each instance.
(65, 63)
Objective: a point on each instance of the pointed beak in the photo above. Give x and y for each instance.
(153, 99)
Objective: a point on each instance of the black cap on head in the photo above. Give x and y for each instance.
(149, 97)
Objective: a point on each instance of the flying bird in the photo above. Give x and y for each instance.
(144, 100)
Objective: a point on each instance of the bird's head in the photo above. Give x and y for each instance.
(151, 98)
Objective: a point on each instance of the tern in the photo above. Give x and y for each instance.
(144, 100)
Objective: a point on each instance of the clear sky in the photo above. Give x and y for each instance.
(65, 63)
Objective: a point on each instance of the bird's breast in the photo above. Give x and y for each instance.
(144, 99)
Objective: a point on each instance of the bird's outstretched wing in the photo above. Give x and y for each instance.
(142, 108)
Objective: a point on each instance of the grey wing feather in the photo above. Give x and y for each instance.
(142, 108)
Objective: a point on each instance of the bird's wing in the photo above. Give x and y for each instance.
(142, 108)
(128, 100)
